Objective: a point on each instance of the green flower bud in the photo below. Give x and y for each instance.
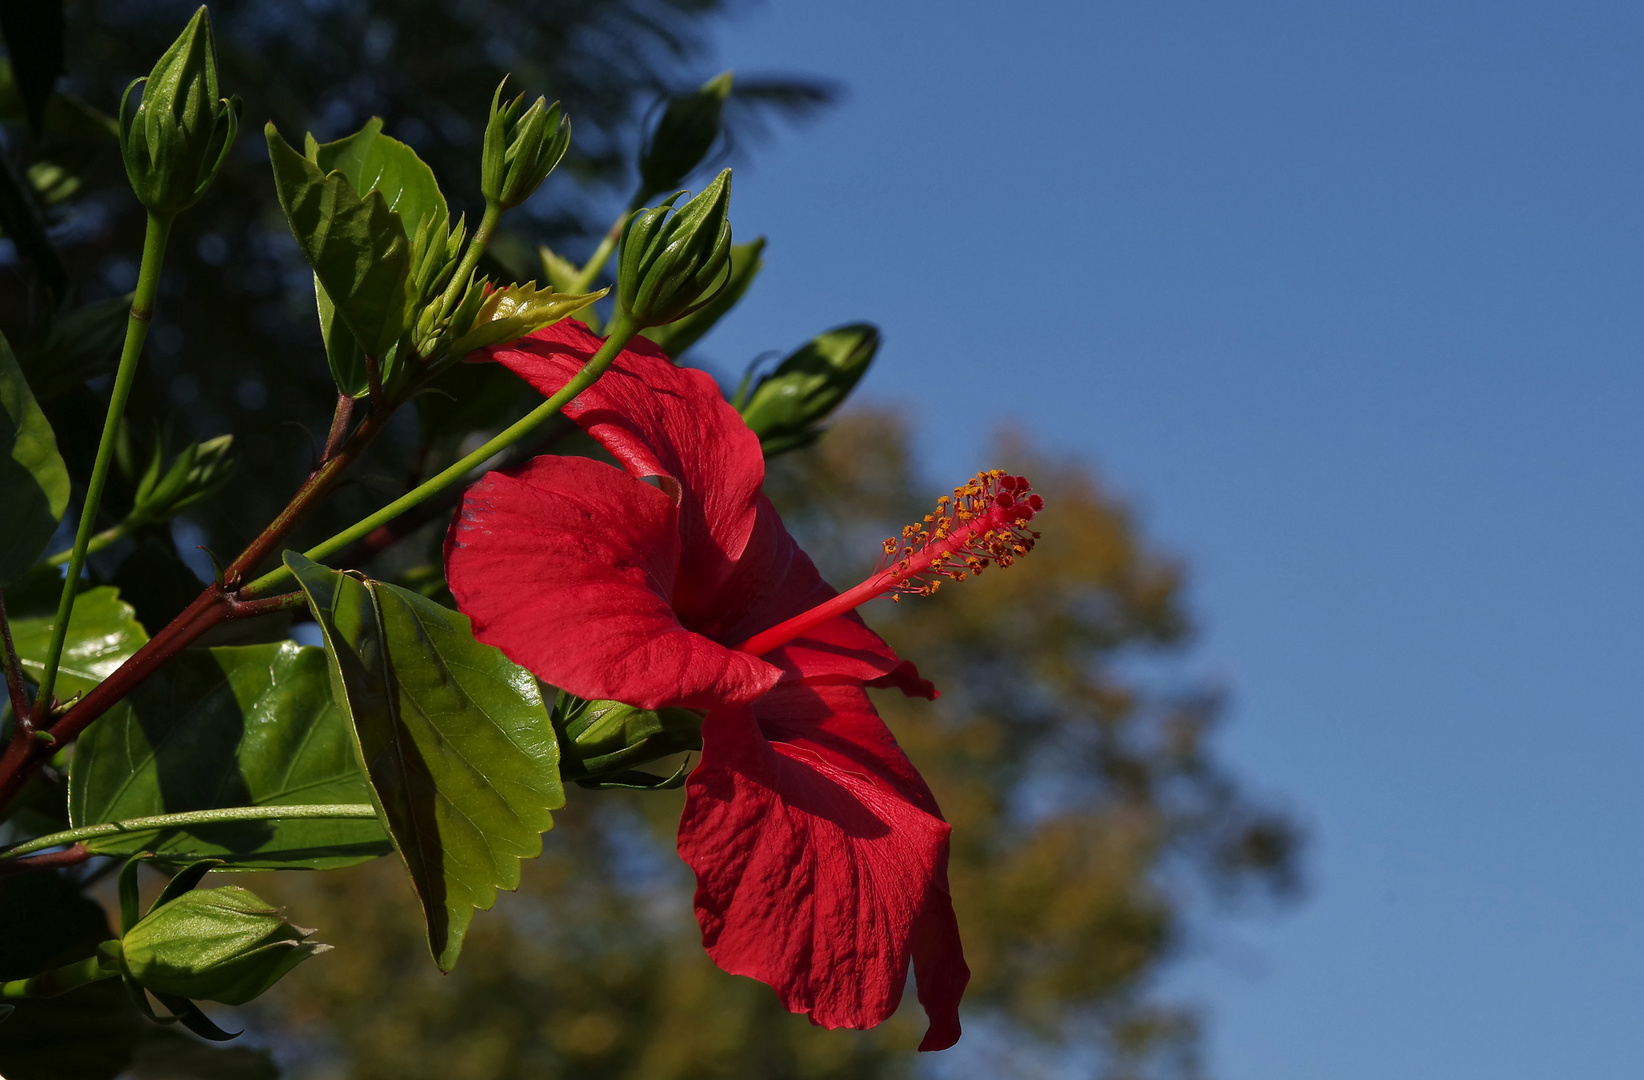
(223, 945)
(674, 261)
(177, 138)
(166, 489)
(787, 406)
(602, 742)
(521, 149)
(683, 136)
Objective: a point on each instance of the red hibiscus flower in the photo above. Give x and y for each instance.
(820, 854)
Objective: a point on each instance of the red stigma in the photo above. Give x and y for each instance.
(982, 524)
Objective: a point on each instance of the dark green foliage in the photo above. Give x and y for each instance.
(455, 739)
(251, 725)
(34, 483)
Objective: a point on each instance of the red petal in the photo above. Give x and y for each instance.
(567, 566)
(660, 420)
(820, 859)
(774, 581)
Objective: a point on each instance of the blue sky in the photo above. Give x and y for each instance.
(1345, 299)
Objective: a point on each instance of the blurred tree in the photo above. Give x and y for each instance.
(1088, 814)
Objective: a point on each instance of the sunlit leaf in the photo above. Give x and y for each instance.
(103, 631)
(249, 725)
(358, 247)
(342, 348)
(374, 161)
(517, 310)
(34, 482)
(457, 743)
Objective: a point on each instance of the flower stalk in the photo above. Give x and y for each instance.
(59, 980)
(330, 811)
(142, 311)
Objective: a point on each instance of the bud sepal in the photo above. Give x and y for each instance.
(167, 488)
(175, 140)
(522, 146)
(787, 407)
(602, 743)
(687, 131)
(675, 260)
(226, 945)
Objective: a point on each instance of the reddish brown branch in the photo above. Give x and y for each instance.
(219, 602)
(14, 673)
(340, 418)
(50, 860)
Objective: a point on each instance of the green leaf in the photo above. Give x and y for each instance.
(517, 310)
(34, 482)
(67, 117)
(103, 631)
(358, 247)
(675, 337)
(250, 725)
(72, 345)
(374, 162)
(457, 743)
(342, 348)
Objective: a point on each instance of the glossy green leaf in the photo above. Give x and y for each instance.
(103, 631)
(373, 161)
(457, 743)
(358, 247)
(34, 482)
(675, 337)
(342, 348)
(250, 725)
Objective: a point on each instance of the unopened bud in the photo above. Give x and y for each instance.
(224, 945)
(602, 742)
(166, 489)
(177, 138)
(684, 135)
(674, 260)
(787, 407)
(522, 146)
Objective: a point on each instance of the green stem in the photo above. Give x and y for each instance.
(193, 817)
(98, 543)
(471, 257)
(621, 333)
(596, 262)
(142, 310)
(58, 980)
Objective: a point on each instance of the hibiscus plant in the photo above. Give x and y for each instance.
(627, 612)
